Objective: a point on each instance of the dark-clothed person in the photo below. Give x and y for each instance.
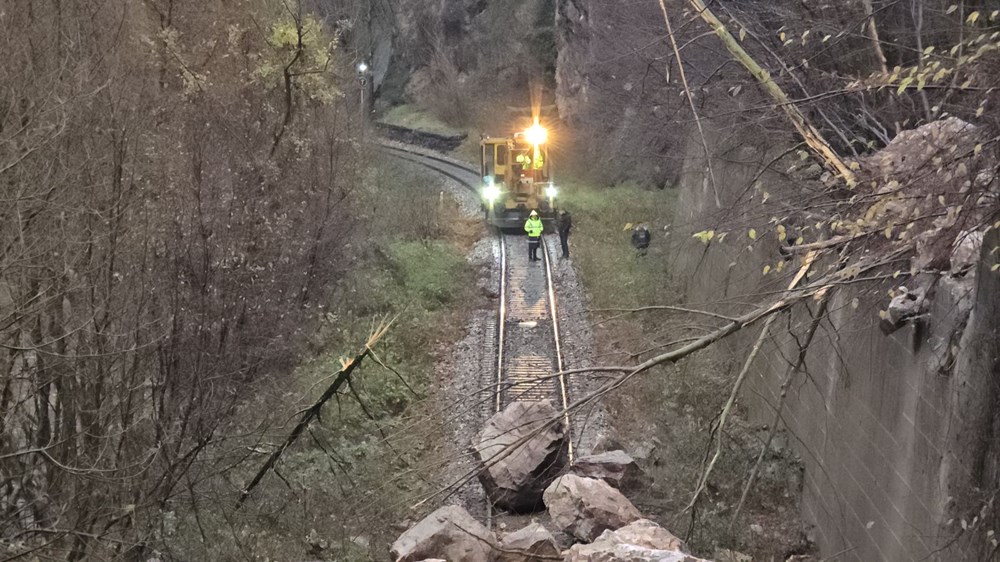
(565, 224)
(533, 226)
(641, 238)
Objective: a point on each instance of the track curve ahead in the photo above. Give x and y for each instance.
(529, 359)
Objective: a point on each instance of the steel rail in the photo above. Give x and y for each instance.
(501, 322)
(559, 357)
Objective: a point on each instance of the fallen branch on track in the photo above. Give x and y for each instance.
(817, 289)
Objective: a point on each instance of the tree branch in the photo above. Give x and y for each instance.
(809, 133)
(342, 377)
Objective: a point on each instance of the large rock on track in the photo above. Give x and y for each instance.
(533, 543)
(639, 541)
(586, 507)
(448, 533)
(614, 467)
(522, 449)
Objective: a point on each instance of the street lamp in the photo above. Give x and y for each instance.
(363, 69)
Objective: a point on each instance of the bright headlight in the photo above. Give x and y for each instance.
(551, 192)
(536, 134)
(491, 192)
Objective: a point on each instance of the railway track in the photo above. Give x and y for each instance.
(528, 347)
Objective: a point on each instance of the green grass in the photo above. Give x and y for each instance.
(615, 274)
(412, 117)
(431, 271)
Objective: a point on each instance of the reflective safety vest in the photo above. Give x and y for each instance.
(533, 226)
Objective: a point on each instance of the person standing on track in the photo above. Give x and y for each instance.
(565, 224)
(533, 226)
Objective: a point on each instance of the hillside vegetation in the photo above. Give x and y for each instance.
(179, 180)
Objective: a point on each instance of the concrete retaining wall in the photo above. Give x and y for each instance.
(897, 433)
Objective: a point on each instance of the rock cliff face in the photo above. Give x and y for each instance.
(573, 41)
(616, 86)
(494, 49)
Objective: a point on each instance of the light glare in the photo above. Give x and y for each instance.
(536, 134)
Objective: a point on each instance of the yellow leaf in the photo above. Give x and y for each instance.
(781, 233)
(979, 112)
(781, 36)
(903, 84)
(896, 274)
(799, 240)
(951, 8)
(855, 303)
(827, 37)
(995, 267)
(752, 234)
(743, 34)
(929, 50)
(977, 149)
(888, 232)
(705, 236)
(855, 166)
(972, 17)
(628, 226)
(779, 266)
(767, 269)
(994, 15)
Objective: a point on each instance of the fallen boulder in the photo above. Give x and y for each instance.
(586, 507)
(533, 543)
(521, 451)
(640, 541)
(448, 533)
(614, 467)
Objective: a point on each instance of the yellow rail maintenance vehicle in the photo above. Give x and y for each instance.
(517, 179)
